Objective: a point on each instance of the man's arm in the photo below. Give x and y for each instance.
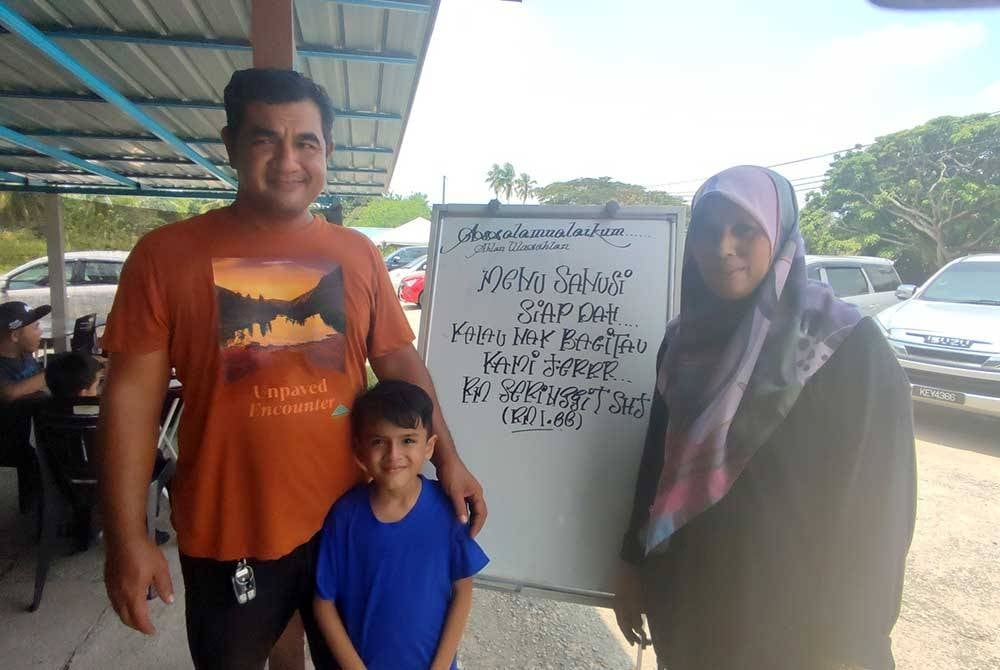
(335, 634)
(11, 391)
(454, 625)
(457, 481)
(131, 404)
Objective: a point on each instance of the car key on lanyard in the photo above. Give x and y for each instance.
(244, 584)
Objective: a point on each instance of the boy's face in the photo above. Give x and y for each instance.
(392, 455)
(28, 338)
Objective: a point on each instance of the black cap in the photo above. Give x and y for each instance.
(14, 315)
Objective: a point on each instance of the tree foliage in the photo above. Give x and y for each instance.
(388, 211)
(599, 191)
(502, 179)
(929, 194)
(524, 186)
(89, 222)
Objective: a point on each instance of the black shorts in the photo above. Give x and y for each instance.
(224, 635)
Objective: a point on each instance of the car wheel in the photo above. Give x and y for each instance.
(420, 300)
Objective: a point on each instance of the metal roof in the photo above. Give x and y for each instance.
(125, 96)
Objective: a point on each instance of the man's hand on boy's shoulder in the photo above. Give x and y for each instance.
(465, 491)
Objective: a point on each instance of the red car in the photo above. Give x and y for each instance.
(411, 289)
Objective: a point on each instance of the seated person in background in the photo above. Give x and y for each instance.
(20, 336)
(395, 567)
(76, 374)
(73, 374)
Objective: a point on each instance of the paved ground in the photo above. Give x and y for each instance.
(950, 619)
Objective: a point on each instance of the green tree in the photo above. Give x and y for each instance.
(495, 178)
(524, 186)
(389, 211)
(930, 193)
(600, 190)
(509, 176)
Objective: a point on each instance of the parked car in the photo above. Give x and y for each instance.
(947, 335)
(866, 281)
(404, 256)
(91, 282)
(411, 289)
(396, 276)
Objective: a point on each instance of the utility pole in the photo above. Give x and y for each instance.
(444, 184)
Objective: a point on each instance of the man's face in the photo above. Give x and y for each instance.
(280, 156)
(393, 455)
(28, 338)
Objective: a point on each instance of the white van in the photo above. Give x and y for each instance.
(866, 281)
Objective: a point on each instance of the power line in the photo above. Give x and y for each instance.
(856, 147)
(806, 181)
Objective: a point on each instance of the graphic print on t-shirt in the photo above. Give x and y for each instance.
(276, 311)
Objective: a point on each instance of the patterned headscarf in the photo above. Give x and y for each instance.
(732, 371)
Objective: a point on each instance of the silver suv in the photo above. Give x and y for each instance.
(947, 335)
(866, 281)
(91, 282)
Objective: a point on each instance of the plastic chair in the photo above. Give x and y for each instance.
(84, 334)
(15, 447)
(64, 436)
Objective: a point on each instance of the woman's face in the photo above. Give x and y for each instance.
(731, 250)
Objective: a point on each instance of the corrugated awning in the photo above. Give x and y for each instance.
(125, 96)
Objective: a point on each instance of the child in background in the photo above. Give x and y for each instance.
(395, 567)
(73, 374)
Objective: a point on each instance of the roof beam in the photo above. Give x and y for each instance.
(157, 160)
(153, 39)
(205, 193)
(97, 189)
(13, 22)
(405, 5)
(158, 176)
(135, 137)
(20, 139)
(211, 105)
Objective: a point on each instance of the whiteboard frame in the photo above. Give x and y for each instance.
(672, 216)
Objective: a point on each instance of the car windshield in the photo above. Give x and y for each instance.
(976, 282)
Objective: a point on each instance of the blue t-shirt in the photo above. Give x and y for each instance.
(392, 582)
(14, 370)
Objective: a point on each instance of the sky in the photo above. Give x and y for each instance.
(666, 93)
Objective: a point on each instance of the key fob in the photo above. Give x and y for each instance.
(244, 584)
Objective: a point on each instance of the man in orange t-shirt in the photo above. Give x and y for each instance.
(268, 315)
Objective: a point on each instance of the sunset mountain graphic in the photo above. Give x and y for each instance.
(274, 310)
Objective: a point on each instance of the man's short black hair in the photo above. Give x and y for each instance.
(274, 87)
(400, 403)
(69, 373)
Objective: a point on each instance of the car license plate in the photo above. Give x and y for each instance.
(939, 394)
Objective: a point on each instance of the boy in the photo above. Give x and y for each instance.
(395, 567)
(73, 374)
(20, 336)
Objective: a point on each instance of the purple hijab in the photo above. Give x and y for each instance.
(731, 371)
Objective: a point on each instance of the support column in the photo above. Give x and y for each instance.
(56, 247)
(272, 34)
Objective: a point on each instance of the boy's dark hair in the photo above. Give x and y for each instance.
(400, 403)
(69, 373)
(274, 87)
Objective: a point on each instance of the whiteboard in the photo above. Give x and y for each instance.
(540, 329)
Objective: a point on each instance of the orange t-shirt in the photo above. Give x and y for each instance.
(269, 332)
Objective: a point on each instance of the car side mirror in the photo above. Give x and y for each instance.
(905, 291)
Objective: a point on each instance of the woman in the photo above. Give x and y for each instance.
(776, 495)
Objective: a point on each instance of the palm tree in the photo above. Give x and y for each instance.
(525, 187)
(495, 179)
(507, 183)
